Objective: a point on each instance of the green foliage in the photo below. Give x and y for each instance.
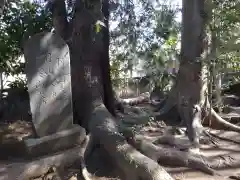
(226, 24)
(145, 35)
(20, 20)
(149, 33)
(18, 84)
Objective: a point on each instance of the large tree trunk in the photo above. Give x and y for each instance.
(88, 78)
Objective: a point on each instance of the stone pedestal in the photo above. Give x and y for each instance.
(59, 141)
(50, 91)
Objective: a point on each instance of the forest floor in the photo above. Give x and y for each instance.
(140, 119)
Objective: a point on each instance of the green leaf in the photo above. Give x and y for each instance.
(98, 26)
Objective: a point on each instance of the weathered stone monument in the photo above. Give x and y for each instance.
(49, 86)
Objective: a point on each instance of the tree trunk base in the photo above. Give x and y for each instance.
(137, 158)
(183, 158)
(131, 162)
(211, 115)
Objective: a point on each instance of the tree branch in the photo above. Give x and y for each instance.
(2, 3)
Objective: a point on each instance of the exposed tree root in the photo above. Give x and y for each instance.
(226, 124)
(177, 142)
(87, 147)
(175, 157)
(86, 175)
(236, 177)
(133, 164)
(39, 167)
(224, 161)
(144, 97)
(172, 156)
(214, 115)
(222, 138)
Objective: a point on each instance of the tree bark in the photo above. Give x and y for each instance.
(37, 168)
(133, 164)
(144, 97)
(60, 22)
(190, 92)
(190, 89)
(90, 111)
(105, 65)
(2, 3)
(172, 156)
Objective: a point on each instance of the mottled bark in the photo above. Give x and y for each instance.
(2, 3)
(190, 93)
(105, 65)
(131, 162)
(190, 89)
(172, 156)
(90, 71)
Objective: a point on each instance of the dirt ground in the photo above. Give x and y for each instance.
(12, 134)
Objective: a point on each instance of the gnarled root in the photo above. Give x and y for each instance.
(181, 158)
(87, 148)
(132, 163)
(224, 161)
(179, 143)
(164, 155)
(220, 135)
(144, 97)
(226, 124)
(85, 174)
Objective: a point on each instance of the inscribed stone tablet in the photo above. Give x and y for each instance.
(49, 83)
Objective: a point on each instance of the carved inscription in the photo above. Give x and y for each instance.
(57, 83)
(49, 83)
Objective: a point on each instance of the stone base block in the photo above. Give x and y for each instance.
(55, 142)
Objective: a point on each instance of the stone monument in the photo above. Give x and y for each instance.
(49, 86)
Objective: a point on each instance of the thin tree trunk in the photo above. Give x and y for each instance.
(105, 65)
(1, 84)
(190, 91)
(215, 73)
(2, 3)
